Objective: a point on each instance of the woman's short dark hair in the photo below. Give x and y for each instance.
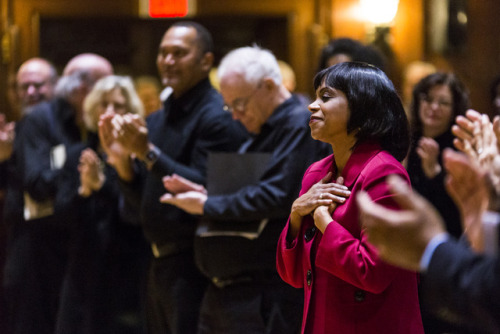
(459, 95)
(376, 111)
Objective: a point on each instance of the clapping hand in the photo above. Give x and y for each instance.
(131, 132)
(474, 183)
(176, 184)
(478, 138)
(6, 138)
(117, 155)
(91, 173)
(469, 187)
(400, 236)
(184, 194)
(428, 151)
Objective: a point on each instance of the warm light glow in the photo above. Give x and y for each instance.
(379, 12)
(462, 17)
(168, 8)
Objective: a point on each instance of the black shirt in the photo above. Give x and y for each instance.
(185, 130)
(50, 125)
(286, 135)
(434, 189)
(11, 179)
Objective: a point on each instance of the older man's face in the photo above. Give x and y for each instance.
(34, 84)
(244, 101)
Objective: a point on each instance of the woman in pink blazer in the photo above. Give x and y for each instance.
(323, 249)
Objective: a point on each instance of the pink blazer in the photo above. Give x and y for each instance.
(347, 288)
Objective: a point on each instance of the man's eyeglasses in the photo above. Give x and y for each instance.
(239, 105)
(440, 102)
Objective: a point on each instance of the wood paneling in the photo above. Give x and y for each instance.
(27, 12)
(309, 23)
(478, 63)
(300, 39)
(131, 44)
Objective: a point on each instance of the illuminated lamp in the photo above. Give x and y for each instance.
(379, 17)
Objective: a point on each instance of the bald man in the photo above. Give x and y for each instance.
(36, 80)
(79, 76)
(52, 139)
(176, 139)
(54, 127)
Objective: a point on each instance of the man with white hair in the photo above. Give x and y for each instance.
(35, 81)
(52, 139)
(246, 295)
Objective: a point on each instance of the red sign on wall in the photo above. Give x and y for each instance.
(168, 8)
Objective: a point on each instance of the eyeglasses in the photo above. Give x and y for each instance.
(36, 84)
(430, 101)
(239, 105)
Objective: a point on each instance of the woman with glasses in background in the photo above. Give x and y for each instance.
(436, 101)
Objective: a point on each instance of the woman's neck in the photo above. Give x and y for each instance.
(342, 152)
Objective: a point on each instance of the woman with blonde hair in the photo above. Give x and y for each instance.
(113, 91)
(102, 281)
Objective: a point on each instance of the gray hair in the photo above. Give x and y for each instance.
(103, 86)
(253, 63)
(68, 84)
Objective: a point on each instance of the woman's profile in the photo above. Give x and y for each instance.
(323, 249)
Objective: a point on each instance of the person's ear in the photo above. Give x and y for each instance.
(207, 61)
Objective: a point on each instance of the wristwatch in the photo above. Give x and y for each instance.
(152, 156)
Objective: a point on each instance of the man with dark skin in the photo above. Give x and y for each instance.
(245, 287)
(175, 139)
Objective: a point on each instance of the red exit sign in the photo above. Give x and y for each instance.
(168, 8)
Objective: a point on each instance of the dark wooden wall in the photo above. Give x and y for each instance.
(294, 29)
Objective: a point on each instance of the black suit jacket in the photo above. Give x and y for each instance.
(287, 137)
(49, 125)
(464, 287)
